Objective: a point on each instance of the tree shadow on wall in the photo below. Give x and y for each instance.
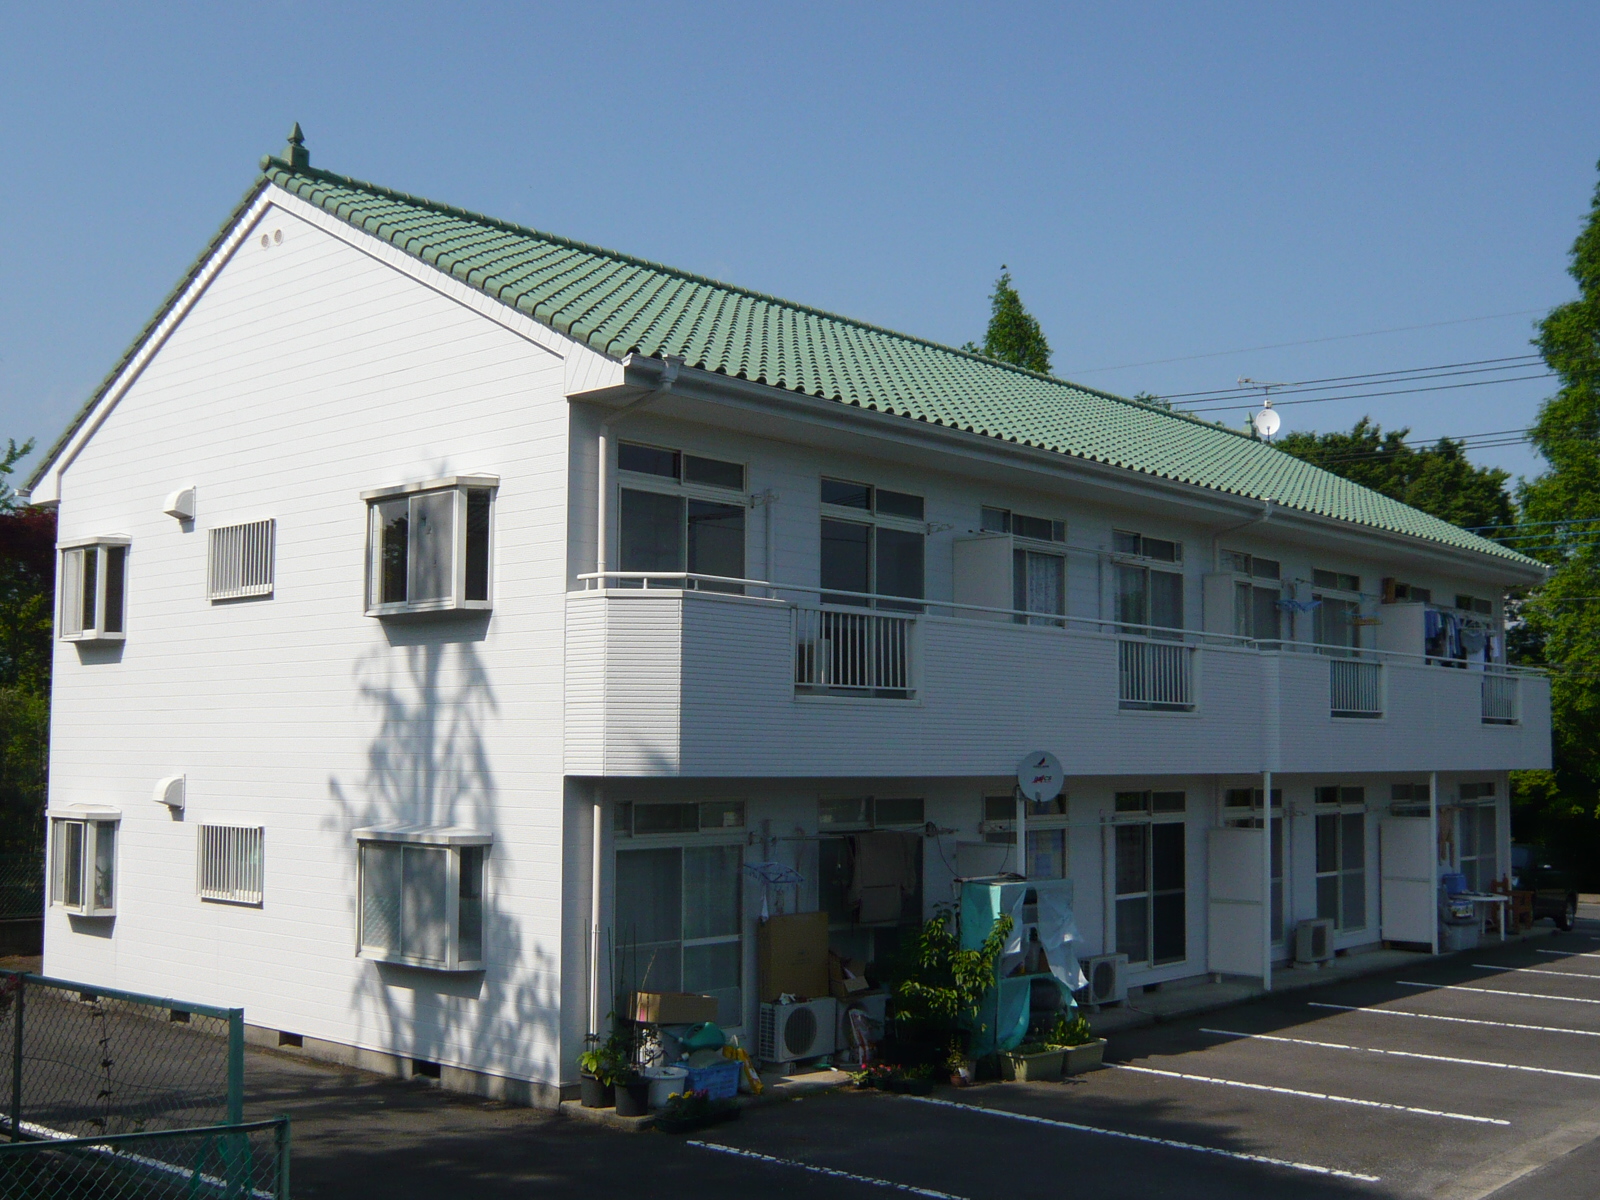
(431, 702)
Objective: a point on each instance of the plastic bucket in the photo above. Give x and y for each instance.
(664, 1081)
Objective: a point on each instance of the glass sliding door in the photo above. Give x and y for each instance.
(1150, 882)
(679, 913)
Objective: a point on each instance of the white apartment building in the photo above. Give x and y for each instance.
(452, 617)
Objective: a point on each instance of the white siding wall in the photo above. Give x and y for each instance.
(306, 373)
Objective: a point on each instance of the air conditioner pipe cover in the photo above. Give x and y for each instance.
(171, 791)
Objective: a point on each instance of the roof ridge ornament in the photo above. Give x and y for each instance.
(295, 153)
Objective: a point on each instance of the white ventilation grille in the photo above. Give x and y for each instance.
(230, 864)
(241, 560)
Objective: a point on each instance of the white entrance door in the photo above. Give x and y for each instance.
(1234, 908)
(1409, 904)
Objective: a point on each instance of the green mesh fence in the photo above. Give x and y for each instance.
(80, 1061)
(224, 1162)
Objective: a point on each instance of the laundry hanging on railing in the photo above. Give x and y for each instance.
(1299, 606)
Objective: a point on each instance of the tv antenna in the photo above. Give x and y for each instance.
(1266, 422)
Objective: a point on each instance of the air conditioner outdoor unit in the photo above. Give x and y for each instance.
(1108, 979)
(1313, 941)
(789, 1032)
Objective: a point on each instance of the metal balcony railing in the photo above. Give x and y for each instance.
(1355, 688)
(1499, 699)
(862, 653)
(1155, 675)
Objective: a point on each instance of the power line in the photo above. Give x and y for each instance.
(1255, 389)
(1531, 524)
(1342, 337)
(1438, 387)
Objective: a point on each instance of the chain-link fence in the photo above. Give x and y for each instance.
(22, 881)
(224, 1162)
(81, 1061)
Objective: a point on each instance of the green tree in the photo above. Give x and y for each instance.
(1438, 479)
(1013, 335)
(27, 590)
(1561, 509)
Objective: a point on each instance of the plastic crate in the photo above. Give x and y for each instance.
(720, 1081)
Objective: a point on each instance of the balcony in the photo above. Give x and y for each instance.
(686, 676)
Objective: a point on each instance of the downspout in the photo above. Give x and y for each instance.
(1267, 505)
(1266, 881)
(594, 911)
(1433, 856)
(670, 365)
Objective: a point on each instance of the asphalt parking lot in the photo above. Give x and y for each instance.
(1457, 1078)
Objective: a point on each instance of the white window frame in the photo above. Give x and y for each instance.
(70, 624)
(241, 560)
(872, 519)
(1051, 818)
(451, 841)
(686, 490)
(456, 600)
(96, 826)
(1472, 799)
(1346, 805)
(1150, 816)
(230, 864)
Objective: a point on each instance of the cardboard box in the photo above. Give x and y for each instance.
(792, 956)
(846, 976)
(673, 1008)
(843, 988)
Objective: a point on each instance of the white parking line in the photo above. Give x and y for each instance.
(1283, 1091)
(1571, 953)
(1463, 1062)
(1461, 987)
(1396, 1012)
(1535, 971)
(814, 1169)
(1239, 1155)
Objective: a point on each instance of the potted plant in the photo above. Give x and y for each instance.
(599, 1068)
(1082, 1050)
(961, 1069)
(1033, 1062)
(632, 1093)
(940, 996)
(688, 1111)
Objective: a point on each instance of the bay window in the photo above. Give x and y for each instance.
(422, 896)
(94, 579)
(429, 546)
(83, 862)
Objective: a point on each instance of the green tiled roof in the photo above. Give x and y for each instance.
(618, 305)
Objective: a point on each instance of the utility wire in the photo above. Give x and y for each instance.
(1342, 337)
(1439, 387)
(1379, 376)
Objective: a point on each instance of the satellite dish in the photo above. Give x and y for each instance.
(1266, 422)
(1040, 777)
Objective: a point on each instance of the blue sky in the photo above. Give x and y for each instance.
(1166, 182)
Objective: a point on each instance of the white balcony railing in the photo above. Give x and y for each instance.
(1155, 675)
(865, 653)
(1499, 699)
(1355, 688)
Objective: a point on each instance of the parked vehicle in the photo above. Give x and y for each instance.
(1554, 895)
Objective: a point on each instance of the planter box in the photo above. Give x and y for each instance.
(1043, 1067)
(1087, 1057)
